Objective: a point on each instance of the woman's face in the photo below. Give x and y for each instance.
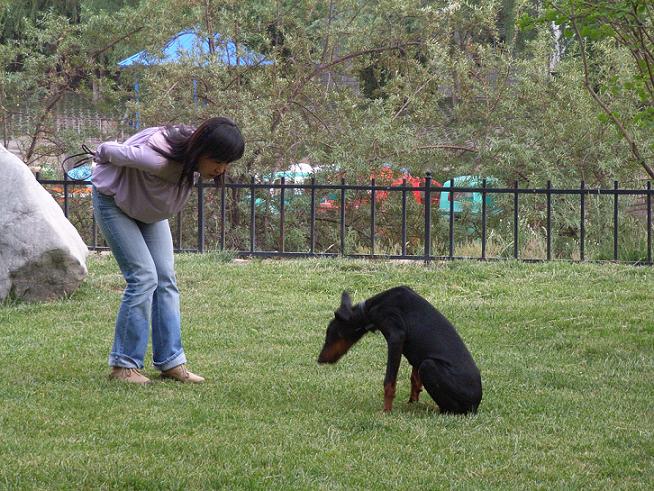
(210, 168)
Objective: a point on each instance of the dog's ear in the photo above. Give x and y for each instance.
(346, 301)
(344, 312)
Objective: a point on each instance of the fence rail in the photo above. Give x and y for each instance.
(276, 197)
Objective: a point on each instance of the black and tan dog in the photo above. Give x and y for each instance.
(413, 328)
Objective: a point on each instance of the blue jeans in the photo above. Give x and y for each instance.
(144, 253)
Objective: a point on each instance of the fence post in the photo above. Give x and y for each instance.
(615, 221)
(223, 214)
(179, 231)
(428, 216)
(342, 217)
(313, 215)
(483, 219)
(200, 215)
(549, 220)
(282, 215)
(451, 223)
(65, 195)
(373, 197)
(582, 229)
(404, 217)
(94, 229)
(649, 222)
(515, 219)
(252, 216)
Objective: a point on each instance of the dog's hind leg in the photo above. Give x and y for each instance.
(416, 385)
(451, 393)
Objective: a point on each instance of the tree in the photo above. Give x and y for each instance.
(630, 24)
(351, 85)
(56, 55)
(15, 13)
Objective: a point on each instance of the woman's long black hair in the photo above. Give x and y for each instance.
(217, 138)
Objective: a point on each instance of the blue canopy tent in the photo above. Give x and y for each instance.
(190, 44)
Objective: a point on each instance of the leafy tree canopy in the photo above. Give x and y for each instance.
(352, 85)
(629, 24)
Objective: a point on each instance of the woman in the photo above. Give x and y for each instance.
(137, 185)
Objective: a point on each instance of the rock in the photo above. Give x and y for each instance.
(42, 257)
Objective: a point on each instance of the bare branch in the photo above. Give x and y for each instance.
(449, 146)
(41, 122)
(324, 66)
(309, 111)
(325, 48)
(97, 53)
(408, 99)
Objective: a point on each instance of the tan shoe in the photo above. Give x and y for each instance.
(131, 375)
(181, 374)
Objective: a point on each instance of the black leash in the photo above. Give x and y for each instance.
(83, 158)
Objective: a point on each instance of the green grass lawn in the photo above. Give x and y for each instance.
(566, 354)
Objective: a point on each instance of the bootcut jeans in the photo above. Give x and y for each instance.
(144, 253)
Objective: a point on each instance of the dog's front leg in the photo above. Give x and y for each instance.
(390, 323)
(395, 345)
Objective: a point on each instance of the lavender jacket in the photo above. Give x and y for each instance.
(142, 181)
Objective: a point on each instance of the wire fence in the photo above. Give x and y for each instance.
(419, 223)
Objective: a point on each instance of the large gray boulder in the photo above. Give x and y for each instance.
(42, 257)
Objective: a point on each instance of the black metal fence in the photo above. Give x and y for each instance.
(261, 210)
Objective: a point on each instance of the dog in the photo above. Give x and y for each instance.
(413, 328)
